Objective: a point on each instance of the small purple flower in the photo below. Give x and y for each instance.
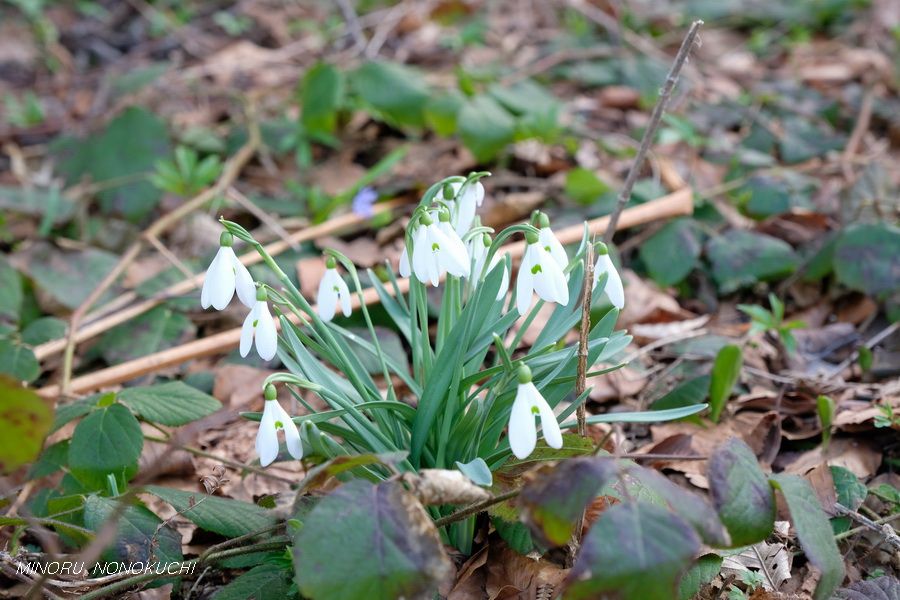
(363, 201)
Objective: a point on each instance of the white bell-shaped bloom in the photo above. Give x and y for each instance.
(554, 247)
(274, 419)
(259, 327)
(522, 429)
(613, 288)
(225, 275)
(539, 273)
(468, 198)
(478, 250)
(332, 290)
(436, 252)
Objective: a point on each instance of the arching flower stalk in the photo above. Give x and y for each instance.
(333, 290)
(225, 275)
(275, 419)
(613, 288)
(541, 274)
(259, 328)
(522, 429)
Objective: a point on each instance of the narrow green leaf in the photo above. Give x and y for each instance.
(725, 373)
(477, 471)
(825, 406)
(813, 531)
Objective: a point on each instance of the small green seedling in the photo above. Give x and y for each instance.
(773, 321)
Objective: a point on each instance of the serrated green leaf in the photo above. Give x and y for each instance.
(851, 492)
(386, 542)
(865, 258)
(725, 373)
(813, 531)
(262, 582)
(108, 440)
(635, 550)
(127, 148)
(24, 423)
(321, 96)
(155, 330)
(18, 361)
(672, 252)
(396, 91)
(584, 187)
(140, 537)
(485, 127)
(231, 518)
(43, 330)
(51, 460)
(174, 403)
(740, 258)
(741, 493)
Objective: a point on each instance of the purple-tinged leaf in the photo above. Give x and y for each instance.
(741, 493)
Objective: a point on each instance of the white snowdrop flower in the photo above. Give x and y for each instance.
(522, 429)
(468, 198)
(478, 250)
(276, 418)
(613, 287)
(225, 274)
(539, 273)
(332, 290)
(551, 244)
(259, 327)
(435, 252)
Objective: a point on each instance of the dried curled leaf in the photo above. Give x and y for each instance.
(443, 486)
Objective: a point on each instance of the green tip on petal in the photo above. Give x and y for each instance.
(448, 192)
(261, 294)
(531, 237)
(524, 374)
(270, 393)
(601, 249)
(226, 239)
(330, 262)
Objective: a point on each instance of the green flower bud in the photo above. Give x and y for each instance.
(261, 294)
(270, 393)
(524, 374)
(226, 239)
(330, 262)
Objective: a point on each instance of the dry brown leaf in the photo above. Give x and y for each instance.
(511, 575)
(443, 486)
(860, 457)
(471, 578)
(648, 304)
(658, 331)
(309, 273)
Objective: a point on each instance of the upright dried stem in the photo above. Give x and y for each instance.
(652, 126)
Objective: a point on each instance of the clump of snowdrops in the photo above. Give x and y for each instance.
(468, 397)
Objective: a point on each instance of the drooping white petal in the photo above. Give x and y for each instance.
(405, 271)
(614, 288)
(422, 255)
(464, 209)
(344, 296)
(549, 281)
(453, 256)
(243, 283)
(248, 329)
(525, 283)
(554, 247)
(218, 286)
(291, 434)
(522, 431)
(267, 436)
(504, 283)
(327, 297)
(266, 334)
(549, 424)
(478, 253)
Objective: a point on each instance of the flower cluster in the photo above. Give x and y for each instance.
(444, 239)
